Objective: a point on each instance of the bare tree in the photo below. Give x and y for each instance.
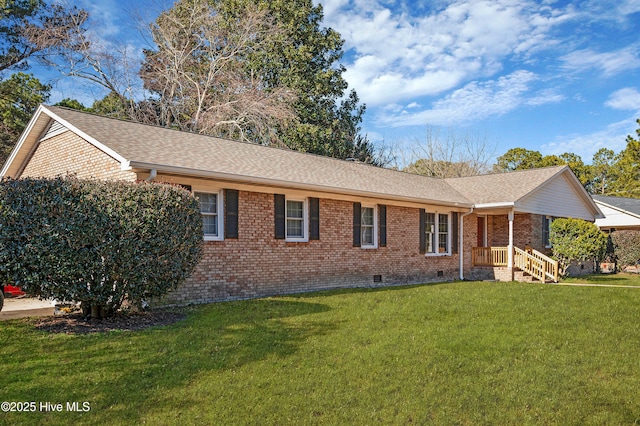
(102, 63)
(202, 77)
(451, 155)
(35, 30)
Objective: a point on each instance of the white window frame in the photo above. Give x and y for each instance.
(219, 215)
(437, 234)
(305, 220)
(375, 227)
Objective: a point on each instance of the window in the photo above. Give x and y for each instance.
(367, 227)
(210, 208)
(430, 229)
(295, 220)
(443, 233)
(436, 239)
(546, 229)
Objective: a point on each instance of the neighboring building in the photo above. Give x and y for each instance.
(619, 213)
(278, 221)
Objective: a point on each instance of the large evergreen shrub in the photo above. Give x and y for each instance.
(576, 240)
(626, 247)
(97, 242)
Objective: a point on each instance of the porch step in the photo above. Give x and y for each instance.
(523, 277)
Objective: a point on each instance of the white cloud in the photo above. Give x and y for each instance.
(397, 54)
(619, 11)
(609, 63)
(612, 137)
(546, 96)
(105, 21)
(624, 99)
(474, 101)
(628, 7)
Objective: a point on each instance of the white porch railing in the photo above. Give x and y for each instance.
(536, 264)
(490, 256)
(532, 262)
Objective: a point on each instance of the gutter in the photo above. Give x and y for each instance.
(503, 204)
(461, 250)
(252, 180)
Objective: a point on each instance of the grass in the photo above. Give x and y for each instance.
(457, 353)
(621, 278)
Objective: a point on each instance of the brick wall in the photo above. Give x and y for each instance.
(527, 231)
(67, 153)
(470, 239)
(256, 264)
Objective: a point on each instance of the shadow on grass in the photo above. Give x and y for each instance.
(125, 374)
(357, 290)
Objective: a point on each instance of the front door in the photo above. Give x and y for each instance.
(482, 231)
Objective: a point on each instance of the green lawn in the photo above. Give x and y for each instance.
(456, 353)
(620, 278)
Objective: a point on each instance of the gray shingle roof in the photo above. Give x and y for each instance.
(631, 205)
(144, 148)
(503, 187)
(200, 154)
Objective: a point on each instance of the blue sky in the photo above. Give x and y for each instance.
(551, 76)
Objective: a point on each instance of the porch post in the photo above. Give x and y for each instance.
(510, 248)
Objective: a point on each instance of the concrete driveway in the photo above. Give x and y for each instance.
(20, 307)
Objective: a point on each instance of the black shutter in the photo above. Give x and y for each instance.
(231, 213)
(279, 210)
(423, 235)
(454, 232)
(357, 212)
(314, 218)
(382, 221)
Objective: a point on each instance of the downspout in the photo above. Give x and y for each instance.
(461, 248)
(153, 173)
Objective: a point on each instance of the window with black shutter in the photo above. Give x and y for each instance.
(357, 212)
(231, 198)
(382, 213)
(314, 218)
(279, 209)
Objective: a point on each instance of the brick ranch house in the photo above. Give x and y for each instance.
(278, 221)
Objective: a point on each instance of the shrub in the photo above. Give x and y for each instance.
(626, 247)
(576, 240)
(97, 242)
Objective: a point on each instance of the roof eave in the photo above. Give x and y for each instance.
(104, 148)
(29, 139)
(619, 209)
(143, 166)
(25, 143)
(496, 205)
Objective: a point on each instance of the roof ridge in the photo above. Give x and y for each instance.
(281, 148)
(496, 173)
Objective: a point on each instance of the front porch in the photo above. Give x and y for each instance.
(515, 265)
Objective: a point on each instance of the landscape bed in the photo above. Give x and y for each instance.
(451, 353)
